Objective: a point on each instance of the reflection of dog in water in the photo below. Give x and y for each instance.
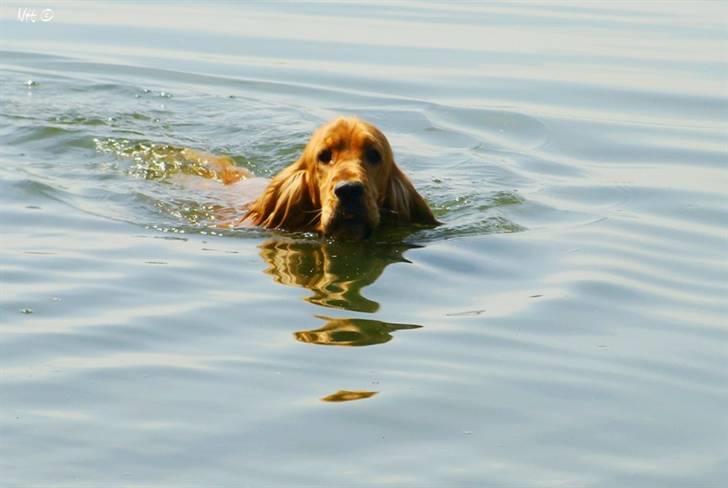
(347, 396)
(351, 332)
(335, 272)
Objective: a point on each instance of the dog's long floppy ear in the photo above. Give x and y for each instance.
(404, 202)
(289, 201)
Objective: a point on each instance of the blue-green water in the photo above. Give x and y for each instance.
(565, 327)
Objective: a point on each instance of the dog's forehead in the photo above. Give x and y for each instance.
(347, 134)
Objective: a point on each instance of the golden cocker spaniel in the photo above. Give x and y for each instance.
(344, 184)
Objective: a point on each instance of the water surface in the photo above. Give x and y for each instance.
(565, 327)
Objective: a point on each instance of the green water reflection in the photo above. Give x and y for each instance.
(351, 332)
(334, 272)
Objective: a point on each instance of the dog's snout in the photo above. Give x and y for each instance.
(349, 190)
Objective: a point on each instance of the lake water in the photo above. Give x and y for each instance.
(565, 327)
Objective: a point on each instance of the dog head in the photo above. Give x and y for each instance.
(345, 180)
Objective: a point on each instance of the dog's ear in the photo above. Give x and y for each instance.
(402, 200)
(289, 201)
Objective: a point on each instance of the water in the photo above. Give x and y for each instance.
(565, 327)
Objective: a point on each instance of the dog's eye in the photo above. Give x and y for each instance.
(325, 156)
(373, 156)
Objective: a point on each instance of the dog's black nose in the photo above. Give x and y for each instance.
(349, 190)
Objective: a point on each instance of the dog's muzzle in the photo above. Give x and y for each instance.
(350, 219)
